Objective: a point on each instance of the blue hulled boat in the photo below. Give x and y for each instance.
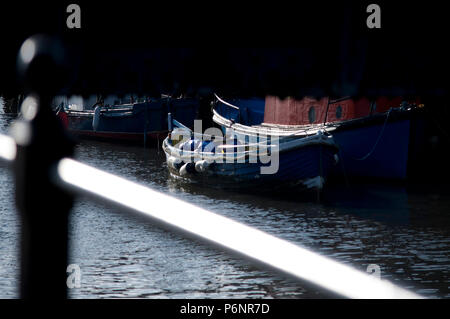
(144, 121)
(263, 163)
(374, 137)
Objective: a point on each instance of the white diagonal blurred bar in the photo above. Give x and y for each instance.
(286, 257)
(7, 148)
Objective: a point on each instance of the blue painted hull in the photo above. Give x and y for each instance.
(297, 167)
(294, 166)
(139, 118)
(133, 121)
(362, 156)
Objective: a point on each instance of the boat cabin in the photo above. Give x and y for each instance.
(306, 111)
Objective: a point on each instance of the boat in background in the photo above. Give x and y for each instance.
(231, 162)
(143, 121)
(374, 137)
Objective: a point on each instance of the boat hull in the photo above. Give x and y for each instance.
(132, 123)
(378, 146)
(134, 138)
(304, 167)
(374, 151)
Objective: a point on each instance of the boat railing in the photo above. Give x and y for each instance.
(238, 119)
(226, 103)
(47, 180)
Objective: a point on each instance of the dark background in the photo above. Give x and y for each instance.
(245, 48)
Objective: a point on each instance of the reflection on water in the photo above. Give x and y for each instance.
(404, 231)
(383, 203)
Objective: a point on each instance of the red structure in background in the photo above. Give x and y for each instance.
(294, 112)
(309, 110)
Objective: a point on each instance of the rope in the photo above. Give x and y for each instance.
(378, 139)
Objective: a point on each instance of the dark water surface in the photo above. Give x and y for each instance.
(403, 230)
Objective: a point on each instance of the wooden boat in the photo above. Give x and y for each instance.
(373, 136)
(142, 122)
(288, 162)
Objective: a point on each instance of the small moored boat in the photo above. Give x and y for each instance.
(136, 122)
(232, 162)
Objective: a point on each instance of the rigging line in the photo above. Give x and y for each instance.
(378, 139)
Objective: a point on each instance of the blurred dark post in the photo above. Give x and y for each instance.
(43, 207)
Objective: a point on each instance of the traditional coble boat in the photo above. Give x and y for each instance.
(231, 162)
(374, 137)
(138, 122)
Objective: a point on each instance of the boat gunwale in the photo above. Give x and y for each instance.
(294, 144)
(295, 131)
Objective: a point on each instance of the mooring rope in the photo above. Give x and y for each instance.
(378, 139)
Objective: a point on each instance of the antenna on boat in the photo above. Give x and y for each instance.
(169, 127)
